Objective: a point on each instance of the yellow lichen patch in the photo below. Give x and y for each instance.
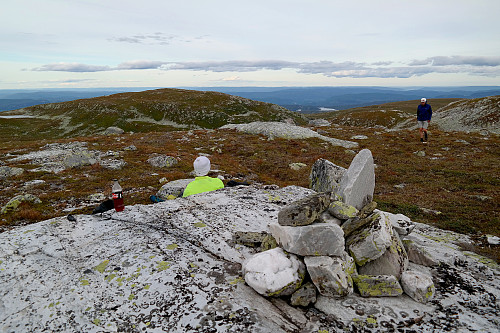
(84, 282)
(96, 322)
(488, 262)
(172, 246)
(162, 265)
(102, 266)
(274, 198)
(200, 224)
(110, 277)
(237, 280)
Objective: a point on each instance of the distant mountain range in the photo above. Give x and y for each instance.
(302, 99)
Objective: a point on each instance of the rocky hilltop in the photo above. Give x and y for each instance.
(152, 110)
(475, 115)
(449, 114)
(184, 265)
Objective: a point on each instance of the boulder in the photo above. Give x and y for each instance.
(113, 164)
(297, 166)
(79, 159)
(113, 130)
(359, 137)
(358, 182)
(305, 211)
(6, 171)
(394, 261)
(418, 286)
(400, 223)
(274, 272)
(304, 296)
(319, 239)
(325, 176)
(173, 189)
(162, 161)
(35, 182)
(418, 254)
(319, 122)
(377, 285)
(369, 243)
(329, 276)
(342, 210)
(17, 200)
(130, 148)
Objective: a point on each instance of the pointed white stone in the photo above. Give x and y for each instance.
(358, 182)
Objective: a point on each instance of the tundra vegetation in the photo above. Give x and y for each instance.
(452, 182)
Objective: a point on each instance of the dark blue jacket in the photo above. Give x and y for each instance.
(424, 112)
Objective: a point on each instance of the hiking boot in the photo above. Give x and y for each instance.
(425, 133)
(421, 140)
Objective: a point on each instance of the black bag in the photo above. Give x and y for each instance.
(104, 207)
(232, 183)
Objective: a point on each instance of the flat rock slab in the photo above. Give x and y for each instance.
(286, 131)
(174, 267)
(167, 267)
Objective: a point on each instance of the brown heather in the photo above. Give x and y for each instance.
(461, 181)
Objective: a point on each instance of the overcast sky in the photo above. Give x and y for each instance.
(174, 43)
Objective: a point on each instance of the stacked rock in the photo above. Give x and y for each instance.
(343, 241)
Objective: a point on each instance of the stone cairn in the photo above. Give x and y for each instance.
(336, 242)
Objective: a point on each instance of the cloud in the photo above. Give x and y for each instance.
(232, 65)
(479, 66)
(71, 67)
(155, 38)
(458, 60)
(140, 64)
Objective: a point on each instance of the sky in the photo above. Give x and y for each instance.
(231, 43)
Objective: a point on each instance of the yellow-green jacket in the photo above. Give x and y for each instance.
(203, 184)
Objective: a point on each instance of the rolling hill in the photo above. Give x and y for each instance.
(449, 114)
(152, 110)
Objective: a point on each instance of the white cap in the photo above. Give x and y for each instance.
(423, 100)
(201, 166)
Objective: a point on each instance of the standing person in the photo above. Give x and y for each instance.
(202, 182)
(424, 115)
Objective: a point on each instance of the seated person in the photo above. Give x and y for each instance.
(202, 182)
